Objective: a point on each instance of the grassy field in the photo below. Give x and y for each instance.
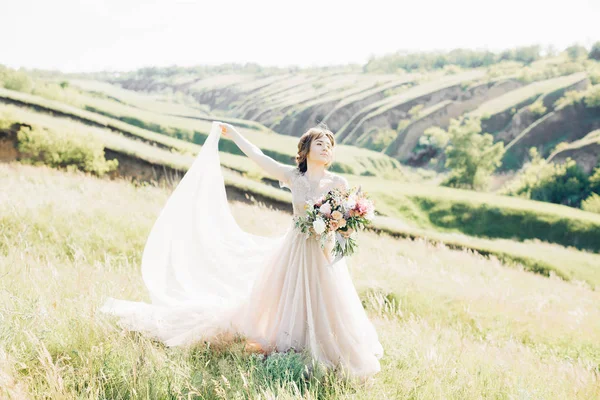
(483, 214)
(454, 324)
(59, 109)
(161, 128)
(144, 149)
(441, 214)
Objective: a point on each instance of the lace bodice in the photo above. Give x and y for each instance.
(303, 190)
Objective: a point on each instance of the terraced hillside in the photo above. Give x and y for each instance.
(567, 124)
(131, 120)
(388, 113)
(152, 146)
(585, 151)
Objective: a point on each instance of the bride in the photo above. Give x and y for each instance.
(206, 276)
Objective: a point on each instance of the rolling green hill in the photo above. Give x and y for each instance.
(364, 109)
(155, 135)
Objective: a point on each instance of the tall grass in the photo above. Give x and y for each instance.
(454, 324)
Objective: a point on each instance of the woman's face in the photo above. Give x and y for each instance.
(321, 150)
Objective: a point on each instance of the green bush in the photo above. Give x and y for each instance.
(595, 181)
(450, 61)
(415, 111)
(537, 108)
(595, 52)
(570, 97)
(377, 138)
(592, 203)
(559, 147)
(471, 156)
(576, 52)
(565, 183)
(15, 80)
(64, 149)
(434, 137)
(592, 97)
(497, 221)
(402, 124)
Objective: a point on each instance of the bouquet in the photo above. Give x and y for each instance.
(337, 215)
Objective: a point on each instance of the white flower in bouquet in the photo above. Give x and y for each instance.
(349, 203)
(319, 226)
(325, 209)
(334, 219)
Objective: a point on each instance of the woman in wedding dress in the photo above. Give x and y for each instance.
(206, 276)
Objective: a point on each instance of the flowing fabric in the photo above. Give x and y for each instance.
(206, 275)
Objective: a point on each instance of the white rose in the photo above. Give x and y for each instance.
(325, 209)
(350, 202)
(319, 226)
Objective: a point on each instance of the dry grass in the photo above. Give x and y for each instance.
(454, 325)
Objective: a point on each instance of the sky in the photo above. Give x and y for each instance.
(122, 35)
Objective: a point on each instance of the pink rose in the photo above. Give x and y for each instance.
(333, 224)
(361, 207)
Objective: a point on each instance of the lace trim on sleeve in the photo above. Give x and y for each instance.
(288, 179)
(343, 183)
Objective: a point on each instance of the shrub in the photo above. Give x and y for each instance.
(565, 183)
(595, 52)
(592, 203)
(592, 97)
(415, 111)
(377, 138)
(537, 108)
(402, 124)
(595, 181)
(471, 156)
(15, 80)
(570, 97)
(434, 137)
(560, 146)
(576, 52)
(64, 149)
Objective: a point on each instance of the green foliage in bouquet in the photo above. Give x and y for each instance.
(337, 216)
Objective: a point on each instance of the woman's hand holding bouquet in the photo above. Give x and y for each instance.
(335, 219)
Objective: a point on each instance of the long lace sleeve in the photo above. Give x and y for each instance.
(342, 183)
(288, 178)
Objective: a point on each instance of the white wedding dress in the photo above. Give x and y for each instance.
(207, 276)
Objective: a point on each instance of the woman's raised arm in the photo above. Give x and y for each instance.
(274, 168)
